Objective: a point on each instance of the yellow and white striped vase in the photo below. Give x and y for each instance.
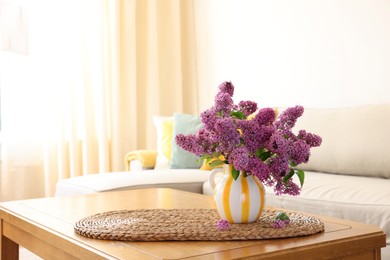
(237, 201)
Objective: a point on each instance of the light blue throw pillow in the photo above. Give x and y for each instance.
(184, 124)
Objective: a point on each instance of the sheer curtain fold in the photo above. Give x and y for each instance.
(166, 61)
(95, 74)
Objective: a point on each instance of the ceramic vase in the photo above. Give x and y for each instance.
(237, 201)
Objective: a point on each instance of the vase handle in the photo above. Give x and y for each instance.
(212, 176)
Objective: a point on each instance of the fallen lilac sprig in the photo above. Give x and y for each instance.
(223, 224)
(281, 220)
(280, 223)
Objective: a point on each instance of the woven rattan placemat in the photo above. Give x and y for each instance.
(189, 224)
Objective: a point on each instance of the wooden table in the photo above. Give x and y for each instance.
(45, 227)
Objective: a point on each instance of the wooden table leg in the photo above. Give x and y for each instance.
(8, 249)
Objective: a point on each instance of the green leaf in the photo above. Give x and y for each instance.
(237, 114)
(293, 164)
(216, 163)
(301, 175)
(204, 157)
(216, 154)
(281, 216)
(208, 159)
(288, 176)
(235, 173)
(259, 152)
(265, 155)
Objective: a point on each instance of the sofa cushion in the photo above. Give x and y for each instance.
(363, 199)
(355, 140)
(164, 128)
(183, 179)
(184, 124)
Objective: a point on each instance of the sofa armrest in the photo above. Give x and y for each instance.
(146, 157)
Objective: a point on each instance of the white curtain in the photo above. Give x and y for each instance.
(83, 92)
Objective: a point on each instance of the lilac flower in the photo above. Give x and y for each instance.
(209, 118)
(289, 117)
(311, 139)
(279, 166)
(227, 87)
(209, 136)
(278, 144)
(247, 107)
(186, 141)
(265, 116)
(289, 188)
(278, 223)
(223, 224)
(223, 103)
(254, 135)
(228, 136)
(265, 146)
(250, 134)
(299, 152)
(204, 142)
(259, 169)
(239, 157)
(281, 220)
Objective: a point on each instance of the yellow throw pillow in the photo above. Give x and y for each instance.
(166, 138)
(164, 127)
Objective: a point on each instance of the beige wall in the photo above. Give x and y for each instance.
(321, 53)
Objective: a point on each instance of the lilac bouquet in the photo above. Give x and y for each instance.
(262, 145)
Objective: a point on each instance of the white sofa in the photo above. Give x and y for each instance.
(347, 177)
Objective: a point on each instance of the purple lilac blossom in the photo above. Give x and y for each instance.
(247, 107)
(186, 141)
(299, 152)
(209, 118)
(312, 140)
(265, 116)
(204, 143)
(278, 223)
(227, 87)
(279, 166)
(289, 117)
(223, 103)
(250, 134)
(240, 141)
(223, 224)
(239, 157)
(289, 188)
(254, 136)
(210, 136)
(278, 144)
(228, 136)
(259, 169)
